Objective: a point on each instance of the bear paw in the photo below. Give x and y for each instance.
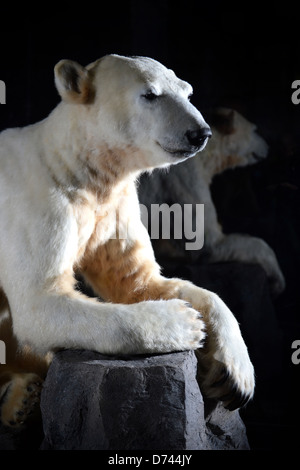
(230, 381)
(21, 399)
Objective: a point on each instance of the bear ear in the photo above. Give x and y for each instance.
(223, 120)
(73, 82)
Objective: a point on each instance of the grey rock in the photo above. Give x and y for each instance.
(91, 401)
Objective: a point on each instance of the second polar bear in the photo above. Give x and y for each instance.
(235, 143)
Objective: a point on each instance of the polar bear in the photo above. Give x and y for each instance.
(235, 143)
(68, 190)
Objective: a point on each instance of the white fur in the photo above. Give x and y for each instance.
(63, 180)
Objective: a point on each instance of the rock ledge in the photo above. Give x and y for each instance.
(91, 401)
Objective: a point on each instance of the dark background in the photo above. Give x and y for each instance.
(245, 57)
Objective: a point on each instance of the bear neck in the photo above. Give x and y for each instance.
(79, 160)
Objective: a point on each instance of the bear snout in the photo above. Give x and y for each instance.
(197, 138)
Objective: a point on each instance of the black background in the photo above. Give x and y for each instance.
(244, 56)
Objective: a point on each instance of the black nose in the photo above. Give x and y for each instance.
(198, 137)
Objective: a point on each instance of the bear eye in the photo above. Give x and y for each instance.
(150, 96)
